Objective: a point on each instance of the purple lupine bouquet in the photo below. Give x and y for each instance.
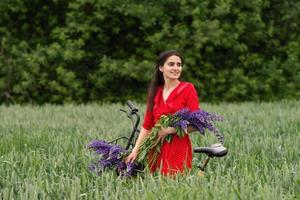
(112, 156)
(199, 119)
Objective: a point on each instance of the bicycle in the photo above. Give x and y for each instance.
(215, 150)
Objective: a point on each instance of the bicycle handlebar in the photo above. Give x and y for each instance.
(132, 107)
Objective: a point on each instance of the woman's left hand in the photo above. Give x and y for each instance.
(164, 132)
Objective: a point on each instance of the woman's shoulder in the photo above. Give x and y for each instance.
(185, 86)
(188, 85)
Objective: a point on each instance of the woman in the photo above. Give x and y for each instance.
(167, 95)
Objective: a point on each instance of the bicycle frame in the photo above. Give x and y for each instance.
(135, 123)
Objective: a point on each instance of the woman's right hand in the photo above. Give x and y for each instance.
(132, 156)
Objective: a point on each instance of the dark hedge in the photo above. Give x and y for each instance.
(104, 50)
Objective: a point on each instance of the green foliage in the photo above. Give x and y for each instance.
(104, 50)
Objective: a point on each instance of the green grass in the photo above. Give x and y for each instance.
(43, 154)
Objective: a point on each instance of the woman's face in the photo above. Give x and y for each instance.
(172, 68)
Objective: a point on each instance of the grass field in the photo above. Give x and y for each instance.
(43, 154)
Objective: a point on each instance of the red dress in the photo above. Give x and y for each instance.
(175, 156)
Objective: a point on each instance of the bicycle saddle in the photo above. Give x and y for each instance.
(215, 150)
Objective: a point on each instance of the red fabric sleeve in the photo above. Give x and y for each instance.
(192, 98)
(148, 119)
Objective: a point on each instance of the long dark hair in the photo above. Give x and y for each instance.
(158, 79)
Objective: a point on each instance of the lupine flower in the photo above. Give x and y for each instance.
(199, 119)
(132, 168)
(111, 157)
(183, 124)
(183, 113)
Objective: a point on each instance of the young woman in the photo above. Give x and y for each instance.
(167, 95)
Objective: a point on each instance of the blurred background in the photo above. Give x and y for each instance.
(82, 51)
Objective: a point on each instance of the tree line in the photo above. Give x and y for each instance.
(80, 51)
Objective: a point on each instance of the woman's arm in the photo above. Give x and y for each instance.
(143, 134)
(171, 130)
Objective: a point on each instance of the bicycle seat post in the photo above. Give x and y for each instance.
(203, 166)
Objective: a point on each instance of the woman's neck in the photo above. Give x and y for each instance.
(170, 84)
